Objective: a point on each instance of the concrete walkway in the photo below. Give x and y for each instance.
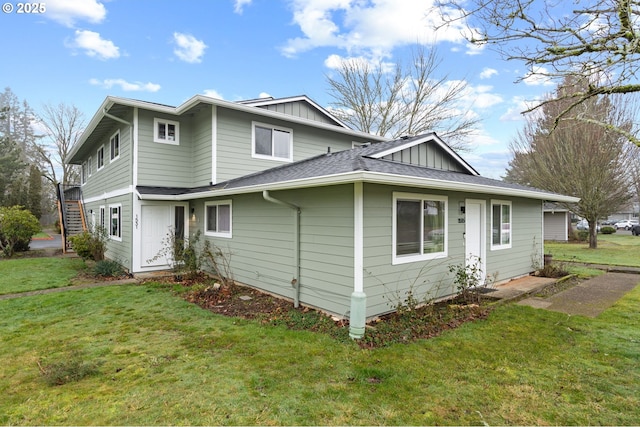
(590, 298)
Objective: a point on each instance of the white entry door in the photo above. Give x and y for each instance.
(475, 235)
(155, 225)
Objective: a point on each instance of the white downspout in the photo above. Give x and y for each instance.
(295, 282)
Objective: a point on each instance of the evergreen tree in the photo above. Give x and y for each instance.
(34, 203)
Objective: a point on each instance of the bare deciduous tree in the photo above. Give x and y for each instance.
(64, 125)
(596, 42)
(396, 101)
(577, 158)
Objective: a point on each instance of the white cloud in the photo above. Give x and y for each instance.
(189, 49)
(212, 93)
(374, 26)
(487, 73)
(539, 76)
(518, 105)
(94, 45)
(125, 85)
(240, 4)
(68, 12)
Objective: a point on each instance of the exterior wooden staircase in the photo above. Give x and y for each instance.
(71, 214)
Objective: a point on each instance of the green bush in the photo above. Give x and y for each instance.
(90, 244)
(583, 235)
(108, 268)
(607, 230)
(17, 226)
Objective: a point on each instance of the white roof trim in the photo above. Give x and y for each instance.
(428, 137)
(371, 177)
(202, 99)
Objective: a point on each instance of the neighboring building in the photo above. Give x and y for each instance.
(557, 222)
(309, 209)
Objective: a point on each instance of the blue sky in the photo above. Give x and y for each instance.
(80, 51)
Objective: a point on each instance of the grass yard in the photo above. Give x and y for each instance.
(141, 355)
(31, 274)
(613, 249)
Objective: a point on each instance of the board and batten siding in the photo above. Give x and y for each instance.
(426, 154)
(262, 245)
(234, 143)
(299, 109)
(162, 164)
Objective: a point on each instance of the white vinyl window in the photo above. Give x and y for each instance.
(83, 173)
(100, 156)
(218, 218)
(114, 142)
(270, 142)
(419, 227)
(115, 222)
(89, 166)
(102, 219)
(166, 131)
(500, 224)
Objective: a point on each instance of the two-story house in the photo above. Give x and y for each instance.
(308, 208)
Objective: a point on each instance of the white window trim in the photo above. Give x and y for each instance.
(98, 167)
(111, 146)
(227, 235)
(89, 166)
(404, 259)
(156, 137)
(272, 127)
(501, 246)
(102, 217)
(83, 173)
(111, 236)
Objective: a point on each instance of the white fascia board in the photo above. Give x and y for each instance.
(428, 137)
(375, 178)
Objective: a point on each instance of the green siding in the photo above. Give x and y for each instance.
(202, 146)
(386, 284)
(116, 250)
(234, 143)
(164, 164)
(299, 109)
(116, 174)
(262, 244)
(426, 154)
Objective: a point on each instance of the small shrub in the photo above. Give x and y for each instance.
(17, 226)
(71, 369)
(582, 235)
(90, 244)
(607, 230)
(553, 270)
(467, 281)
(108, 268)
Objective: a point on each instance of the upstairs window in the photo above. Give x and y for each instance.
(115, 145)
(89, 166)
(273, 143)
(100, 156)
(166, 131)
(500, 225)
(217, 218)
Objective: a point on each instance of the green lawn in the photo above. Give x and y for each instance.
(30, 274)
(151, 358)
(613, 249)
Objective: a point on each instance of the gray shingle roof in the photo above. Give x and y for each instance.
(354, 160)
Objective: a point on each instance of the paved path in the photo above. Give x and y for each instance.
(590, 298)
